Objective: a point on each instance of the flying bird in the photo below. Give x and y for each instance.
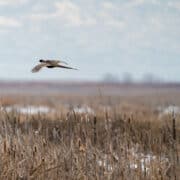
(50, 64)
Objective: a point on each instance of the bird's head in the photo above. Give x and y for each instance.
(41, 60)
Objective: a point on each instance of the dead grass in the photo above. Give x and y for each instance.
(126, 141)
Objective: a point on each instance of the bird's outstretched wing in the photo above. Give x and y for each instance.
(63, 62)
(67, 67)
(57, 61)
(38, 67)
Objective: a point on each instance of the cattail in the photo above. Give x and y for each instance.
(174, 126)
(34, 151)
(5, 146)
(95, 131)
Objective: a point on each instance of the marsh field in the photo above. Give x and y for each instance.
(89, 131)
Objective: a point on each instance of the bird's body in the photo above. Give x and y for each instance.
(50, 64)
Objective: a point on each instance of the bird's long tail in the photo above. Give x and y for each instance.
(66, 67)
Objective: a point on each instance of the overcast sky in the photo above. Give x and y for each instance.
(117, 36)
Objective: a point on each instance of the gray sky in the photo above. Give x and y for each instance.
(117, 36)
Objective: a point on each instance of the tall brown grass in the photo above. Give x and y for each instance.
(129, 142)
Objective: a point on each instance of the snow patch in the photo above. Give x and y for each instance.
(168, 110)
(27, 109)
(84, 110)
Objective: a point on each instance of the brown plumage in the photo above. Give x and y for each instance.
(50, 64)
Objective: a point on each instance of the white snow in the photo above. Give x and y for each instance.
(135, 161)
(84, 109)
(27, 109)
(171, 109)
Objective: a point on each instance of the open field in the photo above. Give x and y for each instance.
(94, 131)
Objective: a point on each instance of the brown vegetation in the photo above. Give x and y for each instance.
(115, 141)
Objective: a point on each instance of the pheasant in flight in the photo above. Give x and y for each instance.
(50, 64)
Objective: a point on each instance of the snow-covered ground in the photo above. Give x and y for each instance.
(27, 109)
(134, 161)
(171, 109)
(84, 109)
